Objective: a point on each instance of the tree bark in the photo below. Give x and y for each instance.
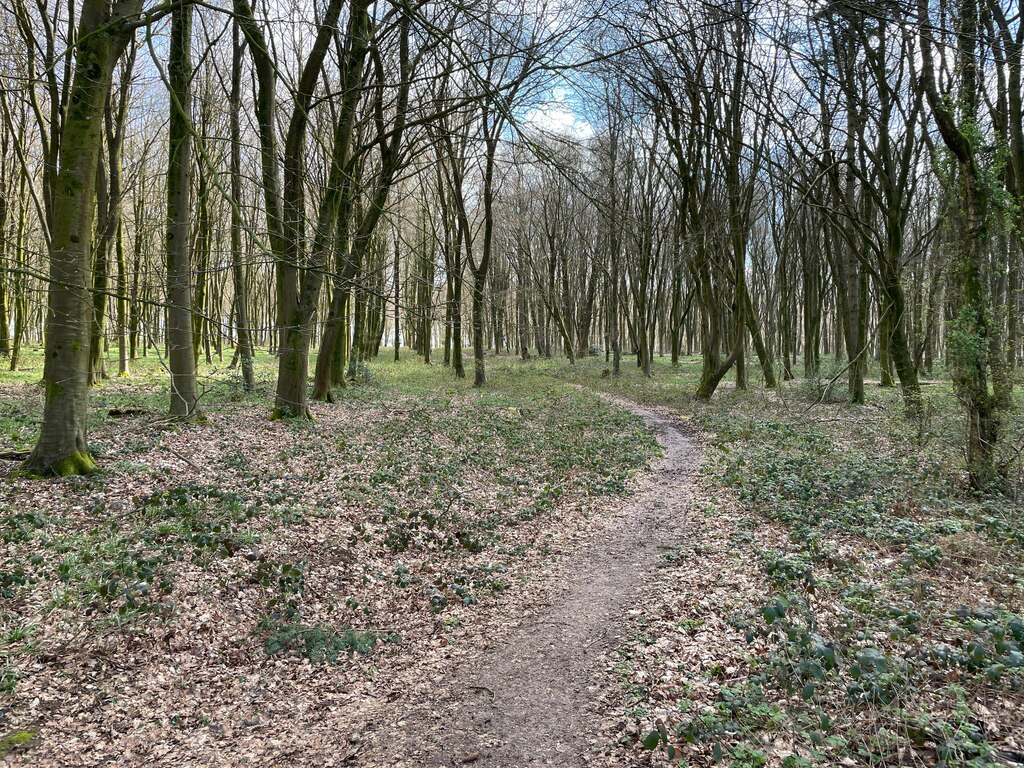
(62, 448)
(971, 333)
(243, 335)
(180, 338)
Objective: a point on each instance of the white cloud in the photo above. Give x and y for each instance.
(556, 115)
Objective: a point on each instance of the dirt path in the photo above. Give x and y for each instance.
(531, 700)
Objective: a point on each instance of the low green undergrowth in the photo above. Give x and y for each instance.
(868, 635)
(868, 624)
(889, 630)
(444, 489)
(321, 643)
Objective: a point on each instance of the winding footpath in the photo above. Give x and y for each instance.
(533, 699)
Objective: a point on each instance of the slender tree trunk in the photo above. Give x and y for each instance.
(397, 297)
(242, 332)
(135, 311)
(5, 340)
(18, 284)
(523, 319)
(180, 340)
(122, 302)
(201, 252)
(115, 129)
(613, 312)
(101, 267)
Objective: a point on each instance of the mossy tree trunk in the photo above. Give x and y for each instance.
(713, 368)
(899, 341)
(333, 341)
(1010, 93)
(62, 448)
(885, 313)
(358, 233)
(298, 274)
(974, 355)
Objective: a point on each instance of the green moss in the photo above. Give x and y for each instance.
(14, 741)
(78, 463)
(53, 390)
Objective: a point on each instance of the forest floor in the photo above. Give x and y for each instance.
(432, 575)
(539, 696)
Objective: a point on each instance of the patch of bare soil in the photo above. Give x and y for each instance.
(535, 697)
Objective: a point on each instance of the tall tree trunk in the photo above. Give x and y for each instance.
(5, 340)
(180, 339)
(397, 297)
(850, 299)
(614, 312)
(101, 266)
(812, 308)
(522, 317)
(122, 301)
(296, 300)
(62, 448)
(135, 309)
(18, 284)
(973, 353)
(201, 252)
(241, 288)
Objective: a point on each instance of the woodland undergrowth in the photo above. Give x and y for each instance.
(878, 610)
(273, 565)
